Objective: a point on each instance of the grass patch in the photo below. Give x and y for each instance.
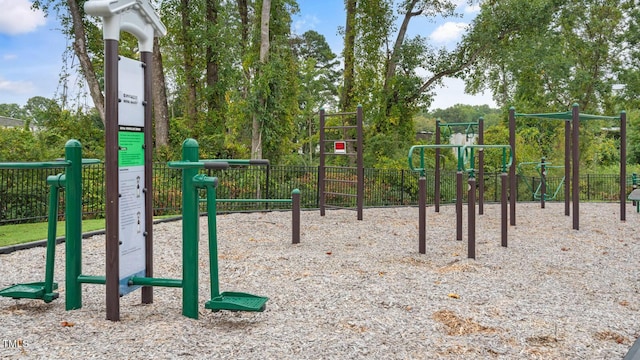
(22, 233)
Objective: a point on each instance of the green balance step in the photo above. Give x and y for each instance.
(237, 301)
(33, 290)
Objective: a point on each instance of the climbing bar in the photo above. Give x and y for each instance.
(421, 169)
(505, 163)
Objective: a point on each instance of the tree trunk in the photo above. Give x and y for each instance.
(215, 90)
(160, 106)
(349, 56)
(189, 63)
(256, 135)
(393, 59)
(80, 48)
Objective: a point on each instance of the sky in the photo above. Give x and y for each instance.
(32, 47)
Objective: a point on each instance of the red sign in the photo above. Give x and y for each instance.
(339, 147)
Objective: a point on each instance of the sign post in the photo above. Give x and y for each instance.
(128, 145)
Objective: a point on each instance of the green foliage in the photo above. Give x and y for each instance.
(19, 145)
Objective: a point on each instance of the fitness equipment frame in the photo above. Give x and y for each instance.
(469, 127)
(342, 150)
(471, 192)
(572, 158)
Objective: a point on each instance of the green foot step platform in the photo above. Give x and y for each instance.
(35, 290)
(237, 301)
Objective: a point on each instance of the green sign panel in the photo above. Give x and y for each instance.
(131, 146)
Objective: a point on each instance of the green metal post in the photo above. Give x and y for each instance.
(212, 212)
(73, 214)
(55, 183)
(190, 232)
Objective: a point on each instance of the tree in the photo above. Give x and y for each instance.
(318, 76)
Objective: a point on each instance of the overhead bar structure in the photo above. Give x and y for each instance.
(572, 158)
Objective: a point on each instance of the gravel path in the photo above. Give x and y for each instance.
(360, 290)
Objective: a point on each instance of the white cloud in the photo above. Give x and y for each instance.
(16, 87)
(448, 32)
(472, 9)
(309, 22)
(17, 17)
(452, 92)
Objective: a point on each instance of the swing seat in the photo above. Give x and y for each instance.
(237, 301)
(34, 290)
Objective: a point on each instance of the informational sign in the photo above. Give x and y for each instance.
(131, 171)
(339, 147)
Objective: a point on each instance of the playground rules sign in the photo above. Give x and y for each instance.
(131, 171)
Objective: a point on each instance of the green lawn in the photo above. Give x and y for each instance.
(22, 233)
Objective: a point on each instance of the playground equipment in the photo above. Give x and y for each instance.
(341, 146)
(294, 200)
(422, 184)
(470, 149)
(572, 158)
(191, 182)
(71, 181)
(540, 192)
(469, 131)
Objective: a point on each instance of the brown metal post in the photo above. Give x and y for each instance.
(471, 220)
(359, 163)
(112, 271)
(503, 208)
(543, 183)
(623, 166)
(147, 59)
(321, 166)
(513, 186)
(422, 211)
(575, 146)
(436, 185)
(567, 167)
(459, 205)
(481, 167)
(295, 216)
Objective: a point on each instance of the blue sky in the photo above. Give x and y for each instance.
(32, 46)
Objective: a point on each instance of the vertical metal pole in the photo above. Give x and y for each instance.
(436, 187)
(623, 165)
(360, 163)
(73, 225)
(422, 210)
(459, 205)
(212, 213)
(295, 216)
(54, 193)
(503, 208)
(190, 232)
(147, 59)
(112, 209)
(543, 182)
(513, 190)
(567, 167)
(481, 167)
(471, 220)
(575, 186)
(321, 166)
